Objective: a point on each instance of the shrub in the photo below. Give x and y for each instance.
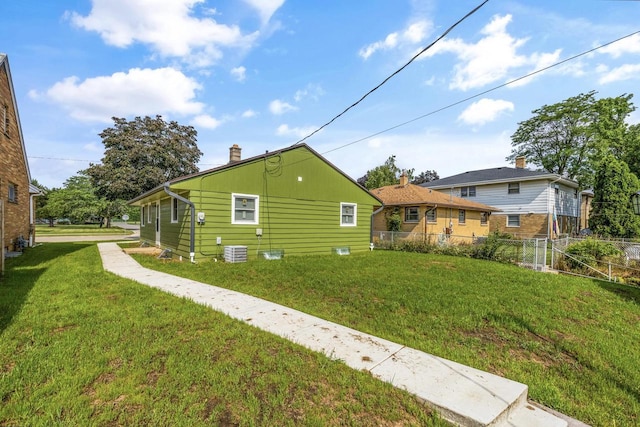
(590, 252)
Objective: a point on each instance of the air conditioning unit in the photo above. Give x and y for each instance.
(235, 253)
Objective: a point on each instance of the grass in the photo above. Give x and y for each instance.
(574, 341)
(79, 346)
(77, 230)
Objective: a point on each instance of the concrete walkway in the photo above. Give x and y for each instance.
(462, 395)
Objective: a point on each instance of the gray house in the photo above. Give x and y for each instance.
(532, 203)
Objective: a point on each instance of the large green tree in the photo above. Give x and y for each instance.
(77, 200)
(386, 174)
(572, 136)
(141, 154)
(611, 213)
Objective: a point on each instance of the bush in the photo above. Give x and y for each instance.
(590, 252)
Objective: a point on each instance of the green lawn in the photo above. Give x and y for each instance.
(574, 341)
(79, 346)
(77, 230)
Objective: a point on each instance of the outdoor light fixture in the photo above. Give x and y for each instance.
(635, 202)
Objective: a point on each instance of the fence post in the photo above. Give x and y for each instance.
(609, 270)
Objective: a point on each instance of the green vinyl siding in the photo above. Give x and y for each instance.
(299, 197)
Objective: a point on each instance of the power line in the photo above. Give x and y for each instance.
(571, 58)
(394, 73)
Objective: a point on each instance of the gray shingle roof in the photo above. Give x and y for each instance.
(501, 174)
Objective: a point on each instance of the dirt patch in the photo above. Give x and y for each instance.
(144, 251)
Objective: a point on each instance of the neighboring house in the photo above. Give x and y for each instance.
(532, 203)
(290, 200)
(16, 193)
(430, 212)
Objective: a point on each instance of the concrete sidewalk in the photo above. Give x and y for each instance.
(463, 395)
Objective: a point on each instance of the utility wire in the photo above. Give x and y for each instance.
(571, 58)
(394, 73)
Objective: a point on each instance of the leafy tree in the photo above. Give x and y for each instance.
(42, 209)
(142, 154)
(426, 176)
(386, 174)
(611, 213)
(76, 200)
(570, 137)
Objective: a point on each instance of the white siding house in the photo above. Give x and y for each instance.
(529, 201)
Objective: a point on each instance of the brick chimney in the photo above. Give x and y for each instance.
(521, 162)
(404, 179)
(234, 153)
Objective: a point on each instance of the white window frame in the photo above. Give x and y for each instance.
(484, 218)
(354, 215)
(148, 213)
(256, 210)
(469, 191)
(462, 216)
(513, 188)
(174, 210)
(509, 224)
(434, 215)
(143, 213)
(417, 213)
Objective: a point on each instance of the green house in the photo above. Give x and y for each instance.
(289, 201)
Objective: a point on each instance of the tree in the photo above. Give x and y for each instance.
(611, 213)
(142, 154)
(426, 176)
(386, 174)
(569, 138)
(42, 201)
(77, 200)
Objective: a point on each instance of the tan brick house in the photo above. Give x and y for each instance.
(431, 213)
(16, 192)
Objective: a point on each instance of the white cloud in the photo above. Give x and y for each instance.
(414, 33)
(279, 107)
(137, 92)
(168, 26)
(624, 72)
(491, 58)
(206, 121)
(484, 111)
(239, 73)
(298, 132)
(312, 91)
(265, 8)
(628, 45)
(249, 113)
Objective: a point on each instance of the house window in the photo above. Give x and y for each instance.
(484, 217)
(514, 188)
(462, 216)
(245, 209)
(13, 193)
(348, 212)
(513, 221)
(411, 214)
(143, 213)
(148, 214)
(174, 209)
(431, 215)
(468, 191)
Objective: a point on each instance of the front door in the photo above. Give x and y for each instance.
(157, 223)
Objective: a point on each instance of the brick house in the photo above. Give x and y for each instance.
(16, 192)
(431, 213)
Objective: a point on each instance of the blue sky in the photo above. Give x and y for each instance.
(265, 73)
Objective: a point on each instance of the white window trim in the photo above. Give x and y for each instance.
(513, 226)
(355, 214)
(143, 213)
(435, 215)
(464, 216)
(174, 210)
(256, 217)
(148, 213)
(417, 208)
(517, 190)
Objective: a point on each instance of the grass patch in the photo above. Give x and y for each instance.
(78, 230)
(574, 341)
(79, 346)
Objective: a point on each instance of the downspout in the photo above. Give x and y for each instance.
(371, 226)
(192, 237)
